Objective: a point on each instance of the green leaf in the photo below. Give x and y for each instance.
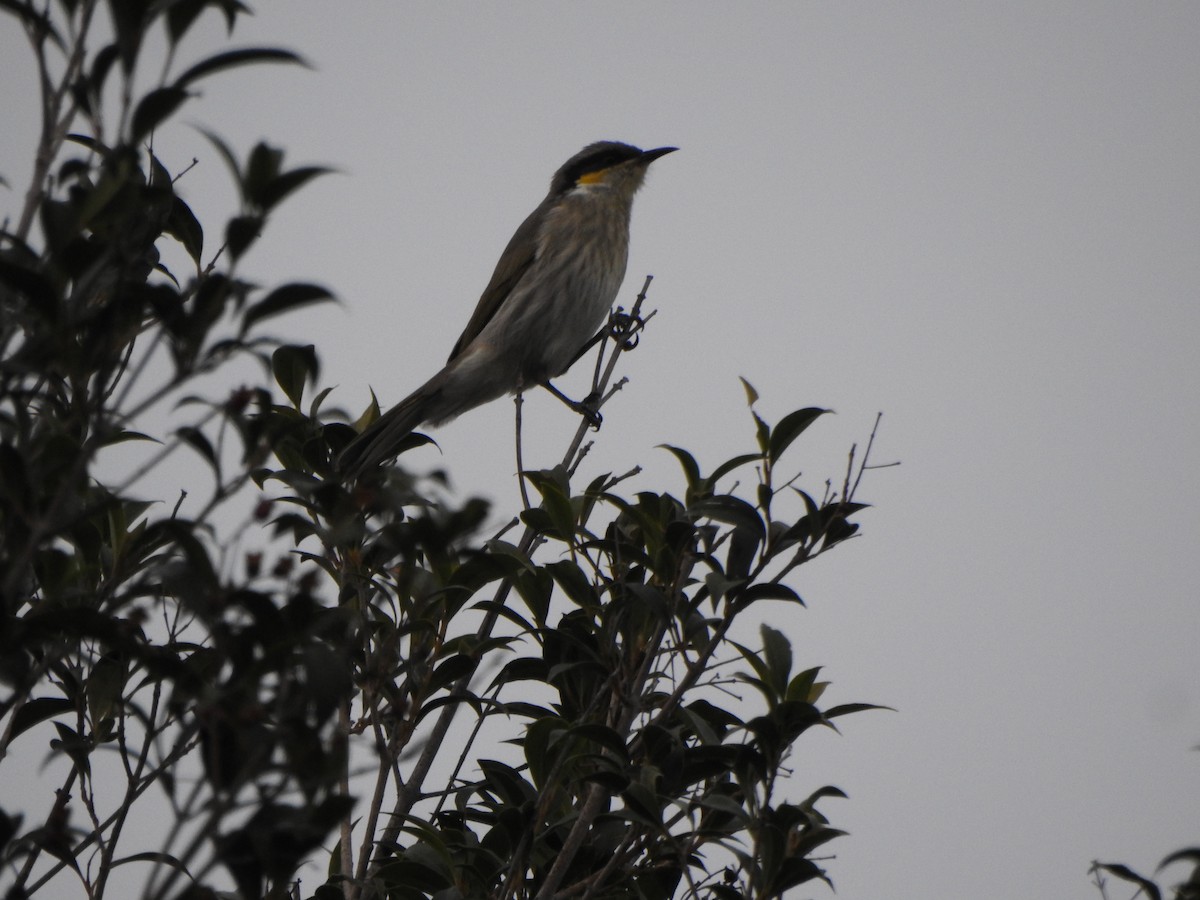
(751, 393)
(777, 652)
(691, 469)
(791, 427)
(735, 463)
(288, 297)
(292, 366)
(805, 688)
(232, 58)
(538, 739)
(451, 670)
(732, 511)
(155, 108)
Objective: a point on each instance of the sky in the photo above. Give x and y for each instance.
(979, 219)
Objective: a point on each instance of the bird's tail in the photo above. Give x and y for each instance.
(383, 438)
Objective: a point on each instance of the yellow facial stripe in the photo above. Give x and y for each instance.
(593, 177)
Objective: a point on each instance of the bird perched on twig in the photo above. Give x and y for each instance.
(549, 295)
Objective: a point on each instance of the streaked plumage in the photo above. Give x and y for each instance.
(550, 293)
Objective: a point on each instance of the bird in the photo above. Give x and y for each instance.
(550, 293)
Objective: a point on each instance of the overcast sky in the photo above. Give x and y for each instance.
(980, 219)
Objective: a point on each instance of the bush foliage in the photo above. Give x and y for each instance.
(318, 689)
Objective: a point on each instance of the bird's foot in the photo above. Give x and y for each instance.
(625, 328)
(587, 408)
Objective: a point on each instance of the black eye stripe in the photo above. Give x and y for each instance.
(600, 161)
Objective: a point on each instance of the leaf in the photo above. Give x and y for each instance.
(604, 736)
(1187, 854)
(36, 23)
(769, 591)
(286, 183)
(292, 366)
(33, 286)
(732, 511)
(805, 687)
(155, 108)
(226, 154)
(751, 393)
(1127, 874)
(791, 427)
(262, 168)
(233, 58)
(197, 440)
(735, 463)
(241, 232)
(38, 710)
(451, 670)
(155, 857)
(183, 225)
(691, 469)
(846, 708)
(282, 299)
(777, 652)
(181, 15)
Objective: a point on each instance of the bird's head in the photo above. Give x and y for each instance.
(606, 164)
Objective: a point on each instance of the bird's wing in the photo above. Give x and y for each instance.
(514, 262)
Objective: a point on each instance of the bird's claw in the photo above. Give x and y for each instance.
(587, 408)
(625, 328)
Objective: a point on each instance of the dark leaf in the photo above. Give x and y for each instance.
(691, 469)
(282, 299)
(292, 366)
(227, 156)
(286, 183)
(180, 16)
(183, 225)
(33, 286)
(769, 591)
(155, 108)
(846, 708)
(262, 168)
(1127, 874)
(791, 427)
(38, 710)
(35, 22)
(777, 653)
(735, 463)
(196, 439)
(732, 511)
(241, 232)
(232, 58)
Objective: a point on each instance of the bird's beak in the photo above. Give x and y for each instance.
(649, 156)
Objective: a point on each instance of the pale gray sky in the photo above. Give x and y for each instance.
(981, 219)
